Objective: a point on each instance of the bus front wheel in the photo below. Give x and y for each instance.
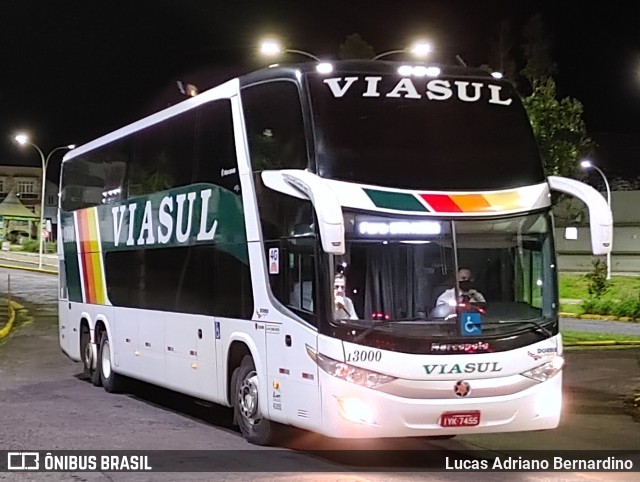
(111, 381)
(254, 428)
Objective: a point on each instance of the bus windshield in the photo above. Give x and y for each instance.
(420, 278)
(459, 134)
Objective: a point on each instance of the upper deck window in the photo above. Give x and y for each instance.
(196, 146)
(275, 129)
(422, 133)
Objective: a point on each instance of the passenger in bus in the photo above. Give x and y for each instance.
(343, 305)
(467, 292)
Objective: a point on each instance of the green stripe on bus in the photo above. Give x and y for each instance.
(125, 229)
(395, 200)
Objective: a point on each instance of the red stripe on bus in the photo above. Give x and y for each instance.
(85, 250)
(441, 203)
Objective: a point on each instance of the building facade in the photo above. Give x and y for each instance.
(25, 182)
(575, 254)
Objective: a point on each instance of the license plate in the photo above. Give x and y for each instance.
(460, 419)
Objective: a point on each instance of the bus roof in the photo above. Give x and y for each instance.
(278, 71)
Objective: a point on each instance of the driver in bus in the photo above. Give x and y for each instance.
(343, 305)
(467, 292)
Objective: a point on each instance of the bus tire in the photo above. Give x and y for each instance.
(87, 357)
(246, 407)
(111, 381)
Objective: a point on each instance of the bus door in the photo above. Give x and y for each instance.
(295, 282)
(64, 306)
(207, 339)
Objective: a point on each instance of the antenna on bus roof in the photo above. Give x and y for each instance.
(460, 61)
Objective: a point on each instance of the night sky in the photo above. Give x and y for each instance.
(74, 70)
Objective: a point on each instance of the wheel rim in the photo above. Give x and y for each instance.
(105, 360)
(88, 356)
(248, 398)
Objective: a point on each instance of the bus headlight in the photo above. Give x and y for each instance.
(546, 370)
(349, 373)
(549, 402)
(356, 410)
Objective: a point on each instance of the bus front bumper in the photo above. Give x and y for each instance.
(353, 411)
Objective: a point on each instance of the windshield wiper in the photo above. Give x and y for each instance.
(412, 321)
(421, 321)
(371, 329)
(539, 328)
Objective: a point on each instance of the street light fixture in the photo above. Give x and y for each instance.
(23, 140)
(587, 164)
(272, 48)
(419, 49)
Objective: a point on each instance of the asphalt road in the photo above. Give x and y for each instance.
(46, 404)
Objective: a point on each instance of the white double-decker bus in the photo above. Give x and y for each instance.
(200, 247)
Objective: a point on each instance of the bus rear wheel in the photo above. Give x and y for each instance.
(253, 426)
(88, 354)
(111, 381)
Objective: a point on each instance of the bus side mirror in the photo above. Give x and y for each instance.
(325, 203)
(600, 218)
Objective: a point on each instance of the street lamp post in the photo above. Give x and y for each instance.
(273, 48)
(418, 49)
(586, 164)
(23, 140)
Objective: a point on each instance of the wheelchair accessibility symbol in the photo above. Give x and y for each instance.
(471, 324)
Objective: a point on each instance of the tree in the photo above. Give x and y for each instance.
(537, 48)
(557, 123)
(559, 128)
(598, 284)
(501, 51)
(354, 47)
